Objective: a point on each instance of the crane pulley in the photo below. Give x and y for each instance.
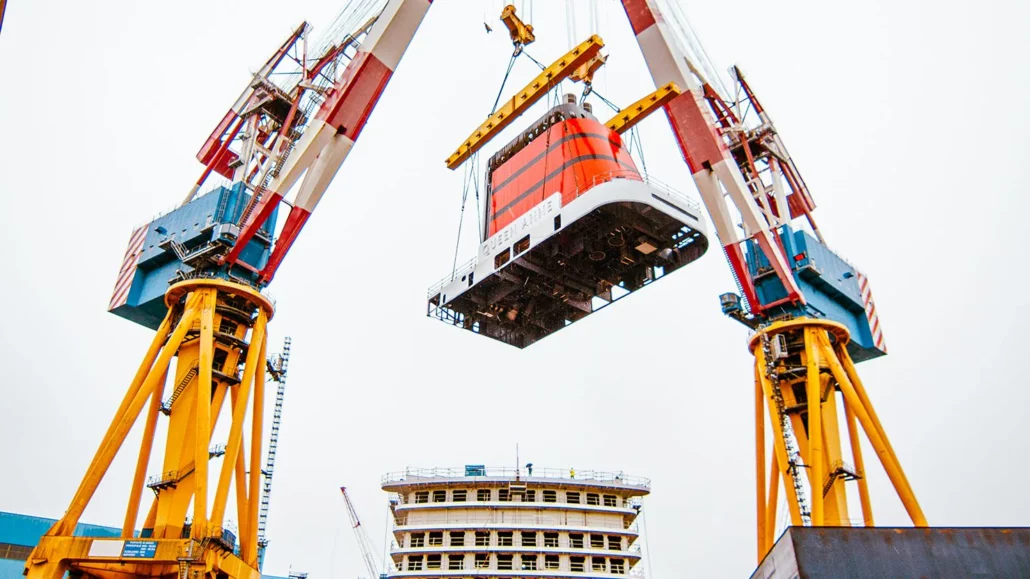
(520, 32)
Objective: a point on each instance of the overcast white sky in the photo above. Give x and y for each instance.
(909, 124)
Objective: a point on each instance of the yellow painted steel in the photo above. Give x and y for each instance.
(520, 32)
(135, 495)
(779, 448)
(120, 427)
(760, 498)
(835, 502)
(628, 117)
(878, 440)
(525, 98)
(806, 377)
(206, 330)
(856, 453)
(255, 461)
(240, 398)
(585, 74)
(815, 427)
(770, 508)
(202, 425)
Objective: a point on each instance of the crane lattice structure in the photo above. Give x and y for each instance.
(277, 368)
(364, 543)
(196, 276)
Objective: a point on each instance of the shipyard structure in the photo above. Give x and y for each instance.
(508, 522)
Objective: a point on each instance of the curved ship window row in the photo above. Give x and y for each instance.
(507, 495)
(521, 538)
(479, 562)
(485, 524)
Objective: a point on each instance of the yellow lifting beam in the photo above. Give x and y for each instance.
(534, 91)
(638, 111)
(521, 33)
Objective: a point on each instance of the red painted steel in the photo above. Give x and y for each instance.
(215, 153)
(128, 269)
(294, 223)
(569, 158)
(640, 15)
(356, 94)
(695, 132)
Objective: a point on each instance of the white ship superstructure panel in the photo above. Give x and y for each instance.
(514, 525)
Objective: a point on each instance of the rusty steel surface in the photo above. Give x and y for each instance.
(902, 553)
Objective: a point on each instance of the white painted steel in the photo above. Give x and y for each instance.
(392, 32)
(538, 223)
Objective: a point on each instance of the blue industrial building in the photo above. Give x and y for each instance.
(20, 533)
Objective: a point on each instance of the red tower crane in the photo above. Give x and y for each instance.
(364, 543)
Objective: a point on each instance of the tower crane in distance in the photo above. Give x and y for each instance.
(195, 275)
(811, 312)
(364, 543)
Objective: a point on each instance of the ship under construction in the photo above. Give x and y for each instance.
(514, 522)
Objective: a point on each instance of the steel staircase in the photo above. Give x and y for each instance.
(166, 407)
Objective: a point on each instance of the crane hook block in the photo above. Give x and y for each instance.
(585, 73)
(521, 33)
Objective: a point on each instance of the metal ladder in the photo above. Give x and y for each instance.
(277, 368)
(272, 174)
(166, 407)
(795, 463)
(740, 291)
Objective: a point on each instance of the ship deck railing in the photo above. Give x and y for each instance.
(459, 273)
(469, 266)
(504, 472)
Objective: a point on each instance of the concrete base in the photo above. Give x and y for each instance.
(902, 553)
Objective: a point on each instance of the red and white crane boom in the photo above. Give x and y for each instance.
(364, 544)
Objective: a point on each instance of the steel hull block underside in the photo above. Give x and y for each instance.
(628, 236)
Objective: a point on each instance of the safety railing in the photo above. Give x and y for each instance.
(418, 474)
(598, 179)
(461, 271)
(667, 189)
(607, 176)
(166, 478)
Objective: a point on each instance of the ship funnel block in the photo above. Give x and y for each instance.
(558, 264)
(570, 227)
